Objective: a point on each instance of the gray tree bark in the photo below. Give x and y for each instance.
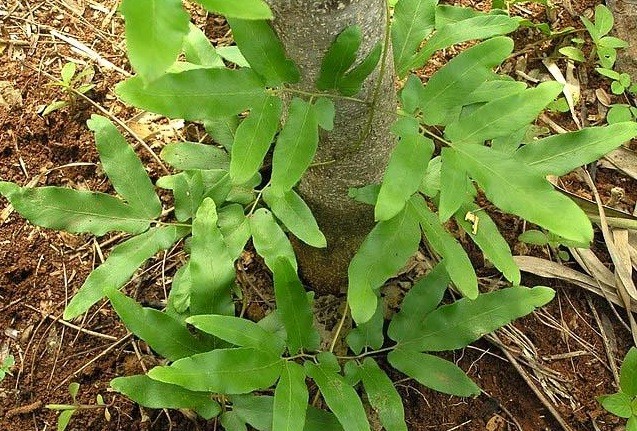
(625, 14)
(356, 152)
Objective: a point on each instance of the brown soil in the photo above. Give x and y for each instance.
(40, 269)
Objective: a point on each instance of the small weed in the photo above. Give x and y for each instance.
(5, 367)
(624, 402)
(68, 410)
(71, 83)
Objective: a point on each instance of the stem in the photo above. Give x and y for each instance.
(340, 327)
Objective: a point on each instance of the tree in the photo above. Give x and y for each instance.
(356, 152)
(625, 13)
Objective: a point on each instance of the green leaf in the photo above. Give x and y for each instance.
(198, 49)
(447, 14)
(479, 27)
(339, 58)
(257, 411)
(253, 138)
(372, 265)
(517, 188)
(179, 295)
(295, 146)
(164, 334)
(628, 373)
(366, 194)
(340, 397)
(155, 31)
(290, 399)
(211, 266)
(612, 42)
(458, 188)
(430, 185)
(195, 95)
(383, 396)
(124, 169)
(293, 307)
(433, 372)
(191, 187)
(488, 237)
(244, 9)
(618, 404)
(325, 112)
(442, 329)
(573, 53)
(631, 424)
(238, 331)
(232, 54)
(403, 175)
(226, 371)
(413, 21)
(64, 419)
(269, 239)
(191, 155)
(352, 82)
(461, 76)
(423, 298)
(264, 51)
(603, 20)
(560, 154)
(503, 116)
(488, 91)
(296, 215)
(235, 228)
(456, 261)
(74, 211)
(231, 421)
(68, 72)
(120, 266)
(410, 95)
(222, 130)
(157, 395)
(368, 334)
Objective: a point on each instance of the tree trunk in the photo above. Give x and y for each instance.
(356, 152)
(625, 13)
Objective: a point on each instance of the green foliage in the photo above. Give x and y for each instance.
(73, 84)
(5, 367)
(68, 410)
(623, 402)
(228, 193)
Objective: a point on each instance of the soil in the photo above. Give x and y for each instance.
(559, 350)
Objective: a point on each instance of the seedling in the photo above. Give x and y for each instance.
(624, 402)
(68, 410)
(71, 83)
(5, 367)
(619, 113)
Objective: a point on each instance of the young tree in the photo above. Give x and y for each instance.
(356, 151)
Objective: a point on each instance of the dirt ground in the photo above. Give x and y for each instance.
(543, 373)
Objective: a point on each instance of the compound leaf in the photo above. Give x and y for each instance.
(120, 266)
(503, 116)
(466, 72)
(227, 371)
(340, 397)
(212, 269)
(192, 155)
(157, 395)
(74, 211)
(517, 188)
(433, 372)
(290, 399)
(296, 216)
(295, 146)
(253, 138)
(456, 261)
(413, 21)
(195, 95)
(238, 331)
(244, 9)
(124, 169)
(442, 329)
(560, 154)
(163, 333)
(372, 265)
(293, 307)
(351, 83)
(420, 300)
(155, 31)
(264, 51)
(403, 175)
(383, 396)
(269, 239)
